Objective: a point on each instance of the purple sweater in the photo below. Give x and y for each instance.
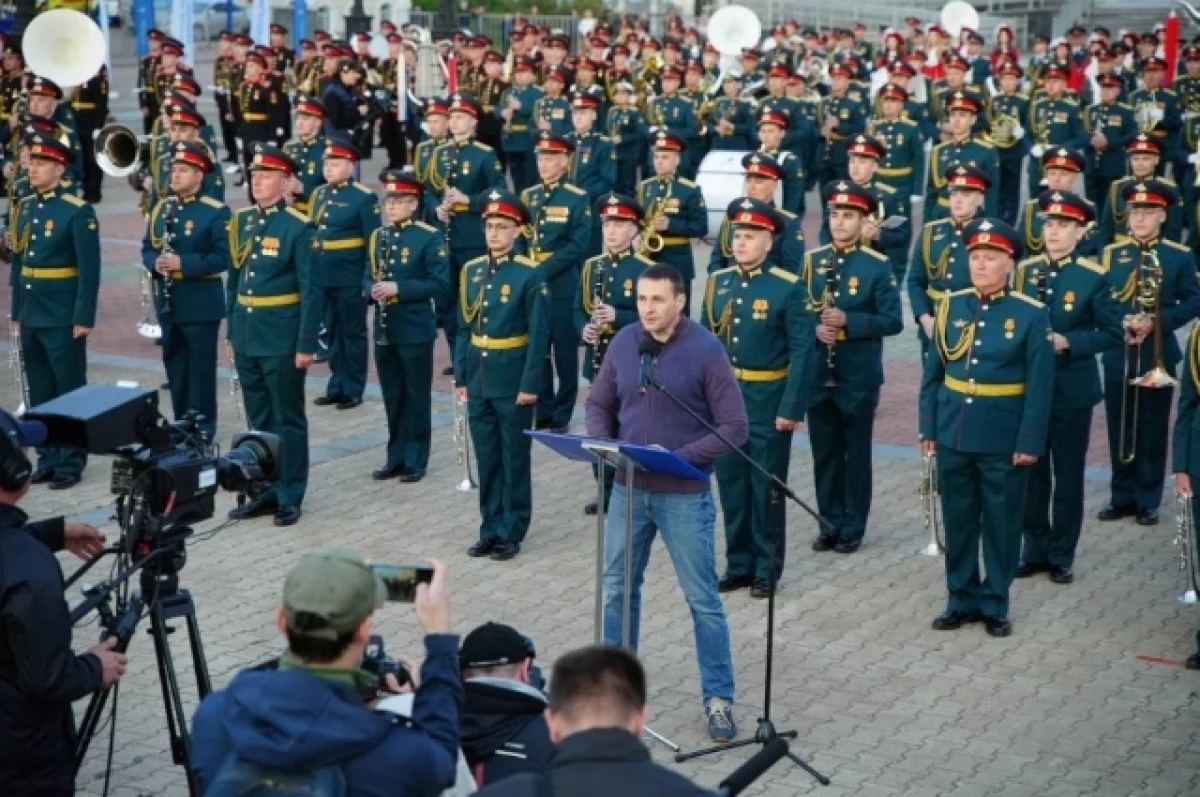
(694, 367)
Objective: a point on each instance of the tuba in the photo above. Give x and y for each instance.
(1146, 116)
(1187, 544)
(64, 46)
(732, 29)
(119, 151)
(957, 15)
(1003, 131)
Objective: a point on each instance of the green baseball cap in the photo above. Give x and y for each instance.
(329, 593)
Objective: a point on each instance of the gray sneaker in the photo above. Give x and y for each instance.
(721, 727)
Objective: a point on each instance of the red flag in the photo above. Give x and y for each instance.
(451, 74)
(1171, 46)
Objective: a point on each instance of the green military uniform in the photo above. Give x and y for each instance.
(986, 393)
(851, 114)
(1010, 153)
(940, 266)
(1052, 123)
(55, 281)
(970, 152)
(761, 315)
(345, 214)
(160, 173)
(1185, 441)
(520, 130)
(503, 340)
(942, 97)
(413, 255)
(273, 299)
(1078, 297)
(627, 127)
(677, 115)
(562, 226)
(1114, 222)
(682, 202)
(903, 163)
(1115, 121)
(740, 114)
(423, 161)
(1166, 129)
(310, 157)
(793, 178)
(1030, 227)
(191, 304)
(787, 252)
(593, 168)
(845, 384)
(555, 111)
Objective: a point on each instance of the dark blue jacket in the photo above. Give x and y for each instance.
(293, 720)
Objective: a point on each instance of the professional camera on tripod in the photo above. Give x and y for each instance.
(165, 477)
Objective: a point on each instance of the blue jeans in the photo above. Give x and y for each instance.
(687, 522)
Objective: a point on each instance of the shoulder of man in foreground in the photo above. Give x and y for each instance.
(632, 778)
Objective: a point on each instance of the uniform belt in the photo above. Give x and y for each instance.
(84, 106)
(752, 375)
(254, 117)
(282, 300)
(935, 294)
(460, 207)
(343, 243)
(899, 171)
(517, 128)
(970, 387)
(675, 240)
(485, 342)
(178, 275)
(57, 273)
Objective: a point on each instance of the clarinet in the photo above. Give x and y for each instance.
(168, 225)
(602, 340)
(381, 271)
(1039, 280)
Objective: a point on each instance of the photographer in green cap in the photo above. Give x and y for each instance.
(304, 719)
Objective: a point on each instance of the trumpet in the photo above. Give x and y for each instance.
(462, 443)
(16, 363)
(235, 386)
(1146, 292)
(1187, 544)
(930, 493)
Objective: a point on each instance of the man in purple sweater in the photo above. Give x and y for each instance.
(691, 365)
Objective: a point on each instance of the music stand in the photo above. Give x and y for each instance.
(611, 453)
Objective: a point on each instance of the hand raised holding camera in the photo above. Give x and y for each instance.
(433, 601)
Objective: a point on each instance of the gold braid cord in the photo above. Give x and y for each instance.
(238, 253)
(585, 284)
(1129, 288)
(1032, 239)
(470, 311)
(941, 323)
(1194, 356)
(936, 271)
(373, 253)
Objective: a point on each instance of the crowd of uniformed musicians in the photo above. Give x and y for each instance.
(523, 248)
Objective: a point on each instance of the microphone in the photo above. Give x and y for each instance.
(648, 350)
(752, 770)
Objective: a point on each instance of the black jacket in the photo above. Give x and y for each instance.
(40, 675)
(599, 763)
(341, 108)
(504, 729)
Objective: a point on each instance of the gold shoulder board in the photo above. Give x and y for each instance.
(686, 181)
(1174, 245)
(298, 215)
(574, 189)
(644, 259)
(423, 226)
(212, 203)
(71, 199)
(1027, 299)
(524, 261)
(1092, 265)
(786, 276)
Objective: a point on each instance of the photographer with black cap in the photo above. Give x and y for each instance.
(40, 674)
(504, 726)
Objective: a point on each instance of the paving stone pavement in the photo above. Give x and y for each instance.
(883, 704)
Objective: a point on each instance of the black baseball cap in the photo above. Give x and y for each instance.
(493, 645)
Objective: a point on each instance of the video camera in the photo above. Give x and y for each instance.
(166, 474)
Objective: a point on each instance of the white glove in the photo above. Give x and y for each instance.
(1156, 114)
(915, 198)
(279, 131)
(1194, 157)
(1018, 132)
(653, 129)
(1036, 151)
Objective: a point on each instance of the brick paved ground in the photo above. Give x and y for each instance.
(883, 705)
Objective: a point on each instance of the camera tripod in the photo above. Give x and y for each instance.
(162, 601)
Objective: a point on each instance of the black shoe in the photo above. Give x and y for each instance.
(482, 548)
(349, 403)
(42, 475)
(997, 626)
(591, 508)
(1061, 574)
(63, 482)
(1193, 661)
(1114, 512)
(952, 620)
(542, 425)
(1028, 569)
(259, 507)
(158, 341)
(387, 472)
(165, 386)
(328, 401)
(848, 546)
(448, 370)
(1147, 517)
(287, 515)
(504, 550)
(411, 475)
(731, 583)
(760, 589)
(825, 542)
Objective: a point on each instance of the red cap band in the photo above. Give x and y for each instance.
(991, 240)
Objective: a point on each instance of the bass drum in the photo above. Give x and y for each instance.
(721, 180)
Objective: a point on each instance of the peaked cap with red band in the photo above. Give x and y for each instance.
(397, 182)
(760, 164)
(1063, 158)
(960, 176)
(619, 206)
(1144, 144)
(310, 106)
(993, 234)
(42, 145)
(464, 103)
(1066, 205)
(850, 195)
(270, 158)
(1150, 193)
(773, 115)
(341, 148)
(669, 142)
(964, 101)
(867, 147)
(555, 145)
(505, 204)
(193, 153)
(747, 213)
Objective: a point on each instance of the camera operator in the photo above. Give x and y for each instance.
(597, 714)
(504, 726)
(40, 675)
(305, 714)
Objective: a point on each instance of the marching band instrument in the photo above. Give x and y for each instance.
(1146, 116)
(462, 444)
(235, 386)
(119, 151)
(957, 15)
(930, 494)
(170, 208)
(1145, 288)
(146, 328)
(16, 363)
(380, 273)
(825, 303)
(1187, 544)
(1003, 130)
(732, 29)
(64, 46)
(652, 240)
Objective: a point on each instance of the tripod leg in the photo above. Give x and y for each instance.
(824, 781)
(172, 700)
(203, 682)
(720, 748)
(87, 726)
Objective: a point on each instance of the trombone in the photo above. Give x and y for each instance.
(16, 362)
(462, 444)
(930, 494)
(1145, 288)
(1188, 546)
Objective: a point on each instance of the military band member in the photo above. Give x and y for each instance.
(960, 148)
(917, 110)
(499, 367)
(225, 80)
(345, 214)
(1184, 452)
(55, 281)
(773, 123)
(45, 101)
(890, 240)
(90, 104)
(257, 99)
(170, 53)
(186, 249)
(986, 396)
(552, 111)
(763, 175)
(1159, 107)
(940, 261)
(274, 308)
(593, 164)
(558, 239)
(627, 128)
(856, 304)
(902, 165)
(675, 209)
(436, 114)
(1061, 168)
(1054, 121)
(307, 149)
(1135, 392)
(1085, 322)
(1006, 114)
(1111, 128)
(463, 173)
(516, 109)
(184, 84)
(944, 91)
(732, 122)
(490, 91)
(409, 274)
(760, 312)
(841, 116)
(185, 125)
(147, 68)
(674, 113)
(1145, 156)
(607, 297)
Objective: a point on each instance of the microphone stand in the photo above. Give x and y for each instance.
(766, 731)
